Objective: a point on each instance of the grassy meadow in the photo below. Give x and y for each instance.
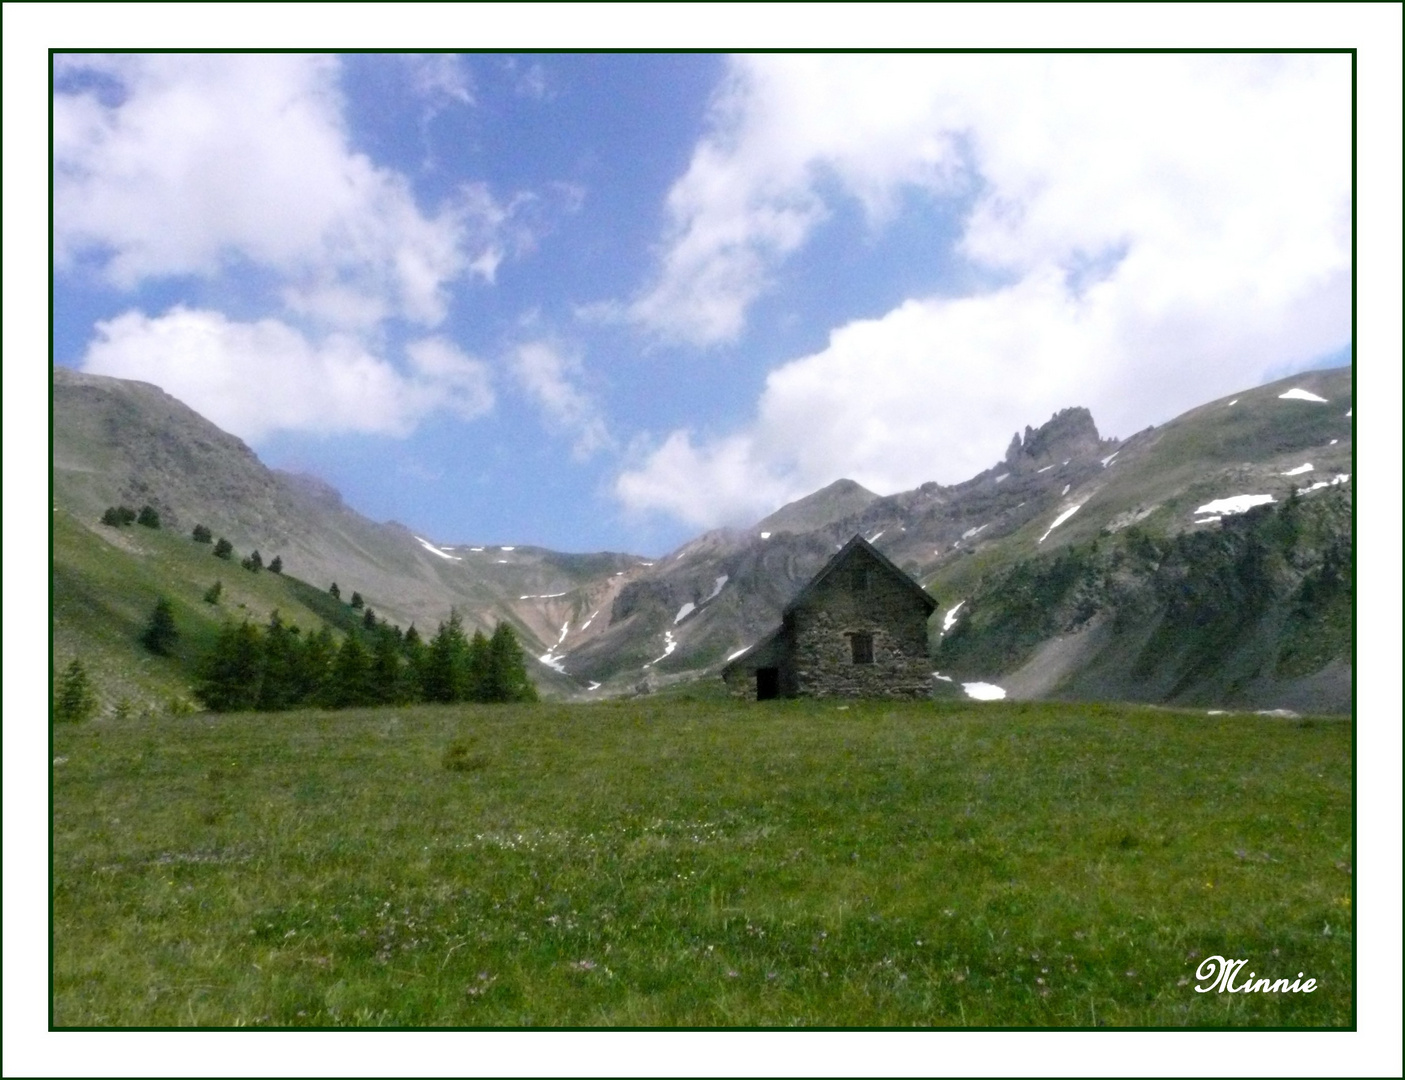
(676, 862)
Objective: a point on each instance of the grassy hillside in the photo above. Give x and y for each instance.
(106, 581)
(675, 862)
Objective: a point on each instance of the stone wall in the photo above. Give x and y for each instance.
(813, 650)
(885, 608)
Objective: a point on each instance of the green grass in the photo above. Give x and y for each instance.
(692, 862)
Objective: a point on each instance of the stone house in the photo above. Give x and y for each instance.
(858, 629)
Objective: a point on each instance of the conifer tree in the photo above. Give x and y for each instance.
(443, 673)
(201, 535)
(254, 562)
(149, 517)
(351, 675)
(230, 678)
(212, 594)
(280, 688)
(160, 635)
(335, 591)
(369, 619)
(276, 566)
(224, 549)
(110, 516)
(76, 700)
(386, 667)
(314, 668)
(506, 678)
(356, 601)
(474, 684)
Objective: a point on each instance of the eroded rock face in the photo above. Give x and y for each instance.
(1068, 435)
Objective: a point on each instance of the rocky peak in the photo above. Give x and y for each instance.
(1069, 434)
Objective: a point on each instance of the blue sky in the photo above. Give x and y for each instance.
(603, 301)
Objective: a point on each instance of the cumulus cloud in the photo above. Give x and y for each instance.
(1167, 229)
(172, 164)
(252, 378)
(550, 377)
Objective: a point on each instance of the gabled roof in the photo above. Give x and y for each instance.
(842, 556)
(839, 558)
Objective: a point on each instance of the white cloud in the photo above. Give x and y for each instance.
(548, 374)
(193, 164)
(252, 378)
(441, 77)
(1169, 228)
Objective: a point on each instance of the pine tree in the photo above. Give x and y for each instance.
(335, 591)
(280, 688)
(110, 516)
(356, 602)
(230, 678)
(126, 515)
(224, 549)
(160, 635)
(507, 671)
(314, 668)
(369, 619)
(445, 660)
(201, 535)
(412, 675)
(474, 679)
(387, 682)
(149, 517)
(351, 675)
(254, 562)
(76, 700)
(276, 566)
(212, 594)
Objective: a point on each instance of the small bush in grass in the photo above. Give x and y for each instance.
(459, 756)
(149, 517)
(201, 535)
(212, 594)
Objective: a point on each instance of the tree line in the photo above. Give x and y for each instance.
(279, 667)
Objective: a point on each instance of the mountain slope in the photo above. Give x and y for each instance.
(119, 442)
(1059, 485)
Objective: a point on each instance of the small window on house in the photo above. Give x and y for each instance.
(862, 646)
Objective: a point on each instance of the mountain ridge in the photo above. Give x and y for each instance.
(621, 623)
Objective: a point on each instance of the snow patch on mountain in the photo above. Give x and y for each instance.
(949, 619)
(543, 596)
(1059, 521)
(1299, 470)
(1235, 504)
(716, 588)
(983, 691)
(668, 646)
(1108, 460)
(736, 654)
(683, 612)
(972, 532)
(1340, 478)
(1301, 395)
(437, 551)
